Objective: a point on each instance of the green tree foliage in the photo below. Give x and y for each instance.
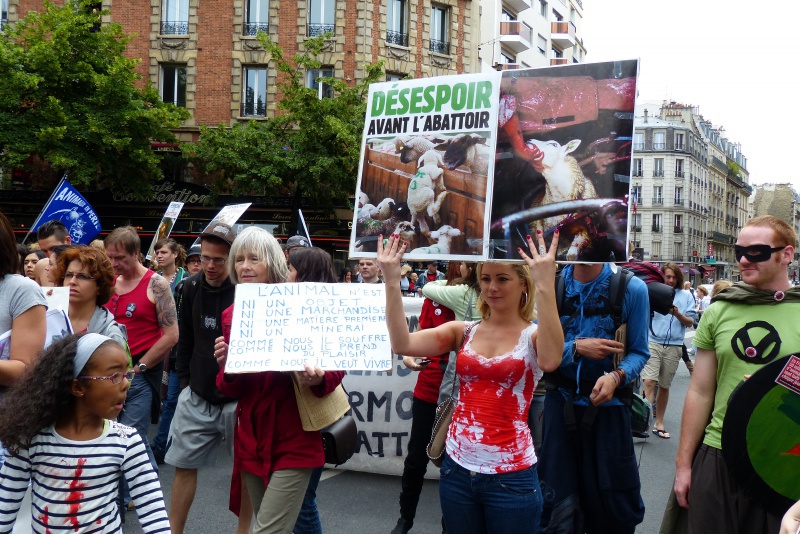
(309, 150)
(68, 96)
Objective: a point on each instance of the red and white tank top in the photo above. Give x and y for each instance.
(489, 433)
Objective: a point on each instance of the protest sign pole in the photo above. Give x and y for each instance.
(44, 208)
(303, 223)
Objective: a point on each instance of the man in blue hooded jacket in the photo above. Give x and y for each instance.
(588, 472)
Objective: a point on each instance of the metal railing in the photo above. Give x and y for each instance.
(677, 202)
(397, 38)
(656, 228)
(658, 173)
(659, 146)
(678, 174)
(254, 109)
(638, 146)
(515, 27)
(440, 47)
(678, 230)
(175, 28)
(252, 28)
(658, 200)
(315, 30)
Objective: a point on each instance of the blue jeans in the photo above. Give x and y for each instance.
(308, 520)
(160, 445)
(136, 414)
(475, 503)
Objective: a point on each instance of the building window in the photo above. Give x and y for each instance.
(658, 194)
(543, 46)
(505, 59)
(678, 224)
(175, 17)
(656, 247)
(658, 141)
(256, 17)
(440, 36)
(254, 99)
(678, 168)
(397, 23)
(557, 53)
(637, 167)
(557, 16)
(3, 14)
(173, 84)
(572, 14)
(656, 223)
(507, 16)
(678, 251)
(636, 222)
(321, 17)
(638, 141)
(678, 141)
(543, 8)
(658, 167)
(636, 194)
(393, 77)
(312, 81)
(679, 196)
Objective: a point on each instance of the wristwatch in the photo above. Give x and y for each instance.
(142, 367)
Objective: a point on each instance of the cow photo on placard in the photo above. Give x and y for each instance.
(563, 160)
(427, 158)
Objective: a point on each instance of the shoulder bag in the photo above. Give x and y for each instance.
(444, 416)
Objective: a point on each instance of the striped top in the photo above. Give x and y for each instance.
(75, 483)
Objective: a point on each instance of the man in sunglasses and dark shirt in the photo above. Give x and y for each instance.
(748, 325)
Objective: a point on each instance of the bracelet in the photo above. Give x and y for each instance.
(575, 352)
(615, 376)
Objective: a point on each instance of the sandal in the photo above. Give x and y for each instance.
(661, 433)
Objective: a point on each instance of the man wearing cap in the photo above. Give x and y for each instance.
(429, 276)
(296, 241)
(203, 416)
(143, 303)
(193, 264)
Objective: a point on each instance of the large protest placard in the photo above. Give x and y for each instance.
(281, 327)
(228, 214)
(564, 160)
(165, 226)
(426, 162)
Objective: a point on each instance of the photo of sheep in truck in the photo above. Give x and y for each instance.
(427, 156)
(563, 160)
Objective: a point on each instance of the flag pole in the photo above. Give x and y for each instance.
(36, 222)
(303, 222)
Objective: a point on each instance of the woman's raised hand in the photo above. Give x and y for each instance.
(543, 264)
(390, 257)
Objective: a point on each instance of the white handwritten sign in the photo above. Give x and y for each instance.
(280, 327)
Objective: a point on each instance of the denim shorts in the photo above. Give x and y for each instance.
(477, 503)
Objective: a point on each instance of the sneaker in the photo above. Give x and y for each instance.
(403, 526)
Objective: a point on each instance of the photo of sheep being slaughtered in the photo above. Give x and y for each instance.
(427, 158)
(563, 160)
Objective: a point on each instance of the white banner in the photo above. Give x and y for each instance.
(280, 327)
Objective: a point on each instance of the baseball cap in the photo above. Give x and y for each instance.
(297, 241)
(220, 230)
(194, 250)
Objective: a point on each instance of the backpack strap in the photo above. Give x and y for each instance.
(616, 293)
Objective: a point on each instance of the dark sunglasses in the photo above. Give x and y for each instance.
(755, 253)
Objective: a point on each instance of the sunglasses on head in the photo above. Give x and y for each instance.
(755, 253)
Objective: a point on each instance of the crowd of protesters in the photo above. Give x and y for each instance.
(558, 459)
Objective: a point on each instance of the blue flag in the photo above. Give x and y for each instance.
(68, 206)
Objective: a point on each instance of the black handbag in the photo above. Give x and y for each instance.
(340, 440)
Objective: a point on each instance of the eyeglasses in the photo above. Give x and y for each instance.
(80, 276)
(116, 378)
(755, 253)
(217, 261)
(193, 259)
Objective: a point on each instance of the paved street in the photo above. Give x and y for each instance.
(361, 503)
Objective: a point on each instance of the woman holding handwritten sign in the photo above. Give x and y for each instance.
(488, 481)
(273, 453)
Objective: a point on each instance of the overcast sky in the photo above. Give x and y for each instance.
(737, 62)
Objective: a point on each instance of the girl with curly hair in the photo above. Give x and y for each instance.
(58, 423)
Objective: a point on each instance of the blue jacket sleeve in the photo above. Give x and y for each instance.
(636, 313)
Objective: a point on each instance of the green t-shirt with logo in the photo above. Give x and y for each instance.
(745, 337)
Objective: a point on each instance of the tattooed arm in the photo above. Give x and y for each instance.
(160, 293)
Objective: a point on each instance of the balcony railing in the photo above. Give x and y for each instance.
(559, 61)
(678, 230)
(679, 147)
(636, 228)
(516, 35)
(252, 28)
(659, 146)
(637, 172)
(315, 30)
(677, 202)
(397, 38)
(658, 173)
(507, 66)
(678, 174)
(656, 228)
(254, 109)
(440, 47)
(638, 146)
(562, 34)
(658, 200)
(175, 28)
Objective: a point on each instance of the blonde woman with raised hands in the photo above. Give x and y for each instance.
(488, 481)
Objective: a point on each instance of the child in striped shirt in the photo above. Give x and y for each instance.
(58, 425)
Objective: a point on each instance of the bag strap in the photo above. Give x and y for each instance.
(467, 330)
